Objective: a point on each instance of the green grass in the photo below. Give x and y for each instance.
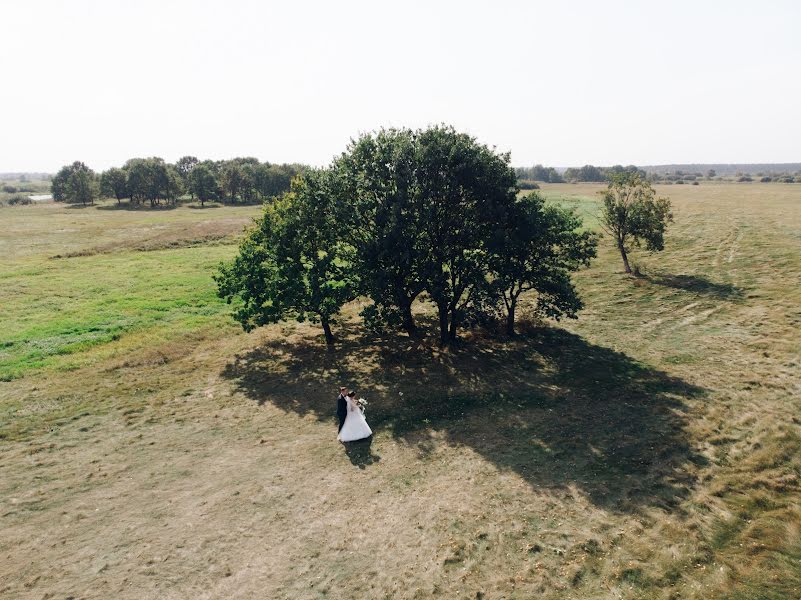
(58, 310)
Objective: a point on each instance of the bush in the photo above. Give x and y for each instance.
(528, 184)
(695, 183)
(10, 189)
(19, 199)
(766, 180)
(744, 178)
(679, 182)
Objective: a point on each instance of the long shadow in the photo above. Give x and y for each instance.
(697, 284)
(559, 411)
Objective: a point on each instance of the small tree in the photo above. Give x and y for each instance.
(537, 251)
(291, 264)
(632, 214)
(114, 182)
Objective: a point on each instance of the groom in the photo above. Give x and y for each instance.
(342, 407)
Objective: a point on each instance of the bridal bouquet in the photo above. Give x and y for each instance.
(362, 404)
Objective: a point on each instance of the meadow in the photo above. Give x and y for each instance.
(151, 449)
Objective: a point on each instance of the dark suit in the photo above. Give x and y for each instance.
(342, 410)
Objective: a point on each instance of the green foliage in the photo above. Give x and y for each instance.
(75, 183)
(539, 173)
(202, 182)
(538, 250)
(467, 191)
(383, 213)
(114, 182)
(152, 179)
(422, 206)
(184, 166)
(527, 184)
(291, 265)
(632, 214)
(402, 214)
(18, 199)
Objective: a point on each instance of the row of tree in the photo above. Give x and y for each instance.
(404, 215)
(587, 173)
(155, 181)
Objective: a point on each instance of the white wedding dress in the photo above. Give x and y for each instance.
(355, 427)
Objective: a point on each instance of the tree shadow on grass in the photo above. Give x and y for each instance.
(559, 411)
(697, 284)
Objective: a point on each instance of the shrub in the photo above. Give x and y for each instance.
(695, 183)
(744, 178)
(9, 189)
(19, 199)
(766, 180)
(528, 184)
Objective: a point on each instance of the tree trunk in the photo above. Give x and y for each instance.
(329, 337)
(443, 324)
(452, 330)
(625, 258)
(408, 320)
(510, 317)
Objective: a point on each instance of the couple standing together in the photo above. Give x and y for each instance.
(352, 424)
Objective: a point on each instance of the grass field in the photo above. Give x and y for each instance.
(150, 449)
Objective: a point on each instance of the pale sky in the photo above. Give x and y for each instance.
(559, 83)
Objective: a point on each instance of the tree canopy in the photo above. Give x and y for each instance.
(632, 215)
(404, 215)
(290, 265)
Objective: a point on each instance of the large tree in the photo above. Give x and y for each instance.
(381, 218)
(75, 183)
(418, 206)
(114, 182)
(467, 190)
(291, 264)
(632, 214)
(537, 250)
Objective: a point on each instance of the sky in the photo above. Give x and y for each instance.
(562, 83)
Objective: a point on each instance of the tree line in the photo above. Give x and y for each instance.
(155, 181)
(585, 174)
(405, 215)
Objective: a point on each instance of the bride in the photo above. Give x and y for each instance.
(355, 427)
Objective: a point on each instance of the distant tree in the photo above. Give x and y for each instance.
(150, 179)
(58, 185)
(75, 183)
(290, 265)
(203, 183)
(173, 184)
(114, 182)
(632, 214)
(231, 179)
(185, 165)
(537, 250)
